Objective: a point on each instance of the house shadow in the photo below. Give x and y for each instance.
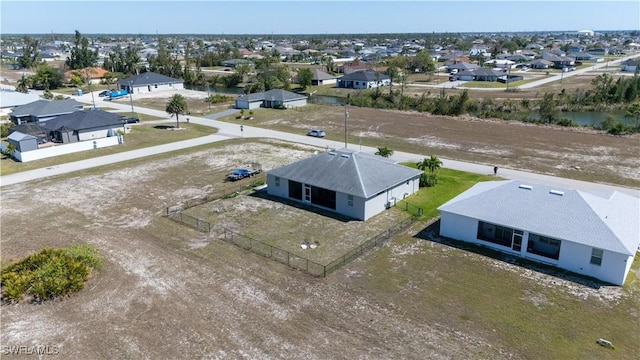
(262, 194)
(431, 233)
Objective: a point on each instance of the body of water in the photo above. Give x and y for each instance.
(590, 118)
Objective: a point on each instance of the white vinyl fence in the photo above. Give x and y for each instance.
(58, 150)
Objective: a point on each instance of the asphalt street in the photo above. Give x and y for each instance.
(230, 131)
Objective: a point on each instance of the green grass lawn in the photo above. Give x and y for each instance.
(450, 184)
(141, 136)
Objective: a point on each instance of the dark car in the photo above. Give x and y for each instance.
(130, 120)
(104, 93)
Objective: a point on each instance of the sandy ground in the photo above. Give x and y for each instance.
(166, 291)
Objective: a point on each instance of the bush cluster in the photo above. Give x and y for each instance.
(49, 273)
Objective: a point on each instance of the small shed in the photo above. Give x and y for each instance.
(23, 142)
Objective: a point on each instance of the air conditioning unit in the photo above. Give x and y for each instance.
(387, 205)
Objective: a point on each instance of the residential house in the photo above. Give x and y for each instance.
(43, 110)
(500, 63)
(83, 125)
(11, 98)
(590, 234)
(559, 62)
(275, 98)
(344, 181)
(322, 78)
(92, 75)
(630, 65)
(236, 62)
(150, 81)
(540, 64)
(462, 66)
(363, 80)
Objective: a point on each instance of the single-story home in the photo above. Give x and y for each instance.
(500, 63)
(558, 61)
(322, 78)
(630, 65)
(363, 80)
(461, 66)
(236, 62)
(540, 64)
(480, 74)
(150, 81)
(84, 125)
(593, 234)
(43, 110)
(93, 75)
(350, 183)
(273, 98)
(33, 129)
(11, 98)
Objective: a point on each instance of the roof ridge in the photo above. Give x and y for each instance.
(360, 180)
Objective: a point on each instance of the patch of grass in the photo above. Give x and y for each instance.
(141, 136)
(450, 184)
(50, 273)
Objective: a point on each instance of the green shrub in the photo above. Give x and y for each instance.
(49, 273)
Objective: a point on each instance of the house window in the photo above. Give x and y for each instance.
(277, 181)
(350, 200)
(155, 86)
(596, 256)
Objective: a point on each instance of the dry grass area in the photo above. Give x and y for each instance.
(577, 153)
(167, 291)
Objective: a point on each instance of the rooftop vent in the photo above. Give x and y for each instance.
(526, 187)
(331, 153)
(344, 156)
(556, 192)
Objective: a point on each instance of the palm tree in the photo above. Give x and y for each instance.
(432, 164)
(177, 105)
(23, 85)
(384, 152)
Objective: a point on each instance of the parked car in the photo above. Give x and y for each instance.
(239, 174)
(104, 93)
(130, 120)
(316, 133)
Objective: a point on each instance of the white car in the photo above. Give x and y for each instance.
(316, 133)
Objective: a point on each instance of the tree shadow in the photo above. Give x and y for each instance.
(432, 231)
(262, 194)
(164, 127)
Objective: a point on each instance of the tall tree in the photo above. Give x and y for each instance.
(177, 106)
(633, 111)
(30, 53)
(431, 167)
(81, 56)
(305, 77)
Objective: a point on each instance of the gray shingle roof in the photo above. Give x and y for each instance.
(148, 78)
(610, 222)
(46, 107)
(18, 136)
(364, 76)
(346, 171)
(274, 94)
(84, 120)
(321, 75)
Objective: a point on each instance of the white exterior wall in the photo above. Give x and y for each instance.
(66, 149)
(459, 227)
(378, 203)
(244, 104)
(356, 211)
(145, 88)
(577, 258)
(281, 191)
(295, 103)
(573, 257)
(92, 135)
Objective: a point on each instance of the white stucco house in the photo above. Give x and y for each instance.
(363, 80)
(596, 235)
(350, 183)
(150, 81)
(273, 98)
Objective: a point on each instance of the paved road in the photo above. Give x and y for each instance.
(230, 131)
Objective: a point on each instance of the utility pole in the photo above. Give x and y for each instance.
(346, 115)
(133, 113)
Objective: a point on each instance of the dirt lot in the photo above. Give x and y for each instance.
(167, 291)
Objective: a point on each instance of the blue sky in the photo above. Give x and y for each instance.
(314, 17)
